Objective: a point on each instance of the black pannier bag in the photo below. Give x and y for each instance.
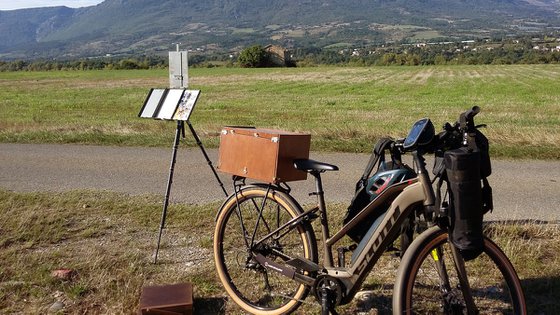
(466, 208)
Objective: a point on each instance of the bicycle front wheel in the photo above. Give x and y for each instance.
(427, 281)
(242, 227)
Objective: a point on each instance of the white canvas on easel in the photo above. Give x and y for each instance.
(170, 104)
(152, 103)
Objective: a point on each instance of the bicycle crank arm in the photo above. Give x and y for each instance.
(286, 271)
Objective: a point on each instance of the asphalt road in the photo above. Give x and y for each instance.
(522, 189)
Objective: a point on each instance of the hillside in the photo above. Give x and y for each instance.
(144, 26)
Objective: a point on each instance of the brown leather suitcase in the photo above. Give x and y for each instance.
(263, 154)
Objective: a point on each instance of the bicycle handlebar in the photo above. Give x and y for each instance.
(464, 127)
(466, 119)
(472, 112)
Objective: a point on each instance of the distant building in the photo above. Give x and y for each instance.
(278, 55)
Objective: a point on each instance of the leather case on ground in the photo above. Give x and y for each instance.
(175, 299)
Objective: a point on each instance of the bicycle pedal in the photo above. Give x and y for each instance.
(303, 264)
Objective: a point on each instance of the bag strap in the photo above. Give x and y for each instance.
(377, 155)
(487, 199)
(442, 178)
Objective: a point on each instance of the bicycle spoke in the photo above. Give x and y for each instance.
(260, 215)
(427, 282)
(280, 238)
(258, 211)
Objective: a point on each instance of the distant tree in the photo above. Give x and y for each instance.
(388, 59)
(555, 58)
(440, 60)
(129, 64)
(253, 57)
(412, 60)
(17, 65)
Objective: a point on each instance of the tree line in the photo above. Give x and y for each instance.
(113, 63)
(524, 51)
(472, 53)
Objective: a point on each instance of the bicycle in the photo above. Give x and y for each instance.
(267, 257)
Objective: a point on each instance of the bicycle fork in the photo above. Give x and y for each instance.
(445, 285)
(463, 280)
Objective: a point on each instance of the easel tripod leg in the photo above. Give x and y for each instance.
(199, 143)
(180, 129)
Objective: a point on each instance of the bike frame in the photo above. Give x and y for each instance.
(371, 248)
(383, 236)
(409, 195)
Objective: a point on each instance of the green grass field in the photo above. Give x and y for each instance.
(345, 109)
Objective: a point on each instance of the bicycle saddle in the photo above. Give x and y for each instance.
(313, 166)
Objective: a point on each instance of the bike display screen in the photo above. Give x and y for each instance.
(419, 134)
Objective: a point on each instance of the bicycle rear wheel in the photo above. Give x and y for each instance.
(427, 281)
(254, 287)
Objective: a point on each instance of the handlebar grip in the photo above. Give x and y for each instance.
(466, 118)
(472, 112)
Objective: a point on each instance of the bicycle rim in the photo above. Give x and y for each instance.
(422, 289)
(255, 288)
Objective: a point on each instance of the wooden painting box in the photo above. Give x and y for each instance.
(263, 154)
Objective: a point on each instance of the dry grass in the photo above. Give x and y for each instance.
(533, 249)
(108, 239)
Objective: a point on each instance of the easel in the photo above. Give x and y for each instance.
(178, 133)
(175, 103)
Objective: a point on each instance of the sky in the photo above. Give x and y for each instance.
(22, 4)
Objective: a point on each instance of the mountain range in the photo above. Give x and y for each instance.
(124, 27)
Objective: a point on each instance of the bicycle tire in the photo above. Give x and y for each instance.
(242, 277)
(495, 286)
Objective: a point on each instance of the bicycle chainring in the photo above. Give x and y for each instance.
(334, 289)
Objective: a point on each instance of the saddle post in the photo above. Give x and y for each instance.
(323, 216)
(315, 168)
